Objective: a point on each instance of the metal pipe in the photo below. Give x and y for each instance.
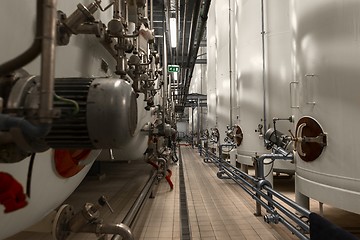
(204, 17)
(48, 62)
(301, 210)
(135, 208)
(117, 9)
(167, 26)
(260, 161)
(289, 214)
(193, 27)
(118, 229)
(177, 35)
(230, 65)
(263, 65)
(198, 120)
(151, 14)
(182, 77)
(268, 196)
(33, 51)
(194, 21)
(192, 127)
(165, 75)
(293, 229)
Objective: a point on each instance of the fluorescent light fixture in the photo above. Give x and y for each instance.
(173, 32)
(175, 75)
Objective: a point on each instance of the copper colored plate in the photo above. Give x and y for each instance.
(312, 129)
(238, 135)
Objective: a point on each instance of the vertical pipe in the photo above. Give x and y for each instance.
(192, 127)
(117, 9)
(167, 25)
(230, 64)
(194, 21)
(204, 17)
(48, 62)
(165, 76)
(198, 120)
(177, 35)
(151, 14)
(263, 64)
(183, 75)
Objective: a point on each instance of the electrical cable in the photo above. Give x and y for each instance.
(66, 100)
(270, 171)
(29, 176)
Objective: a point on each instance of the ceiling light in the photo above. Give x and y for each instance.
(173, 32)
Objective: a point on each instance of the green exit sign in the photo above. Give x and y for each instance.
(173, 68)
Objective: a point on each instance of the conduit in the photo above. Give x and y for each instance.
(33, 51)
(183, 72)
(130, 217)
(263, 64)
(204, 17)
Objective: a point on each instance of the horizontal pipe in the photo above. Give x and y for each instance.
(288, 201)
(238, 176)
(135, 208)
(293, 229)
(289, 214)
(103, 228)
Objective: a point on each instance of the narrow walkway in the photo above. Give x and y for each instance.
(218, 209)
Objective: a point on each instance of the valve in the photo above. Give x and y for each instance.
(272, 218)
(103, 201)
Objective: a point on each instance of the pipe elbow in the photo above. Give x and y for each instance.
(117, 229)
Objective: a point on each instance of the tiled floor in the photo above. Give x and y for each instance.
(217, 209)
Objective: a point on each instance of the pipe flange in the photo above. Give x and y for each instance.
(60, 230)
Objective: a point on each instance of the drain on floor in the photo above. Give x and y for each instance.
(184, 215)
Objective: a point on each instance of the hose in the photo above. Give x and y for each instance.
(33, 51)
(7, 122)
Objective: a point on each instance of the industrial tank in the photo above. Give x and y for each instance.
(249, 96)
(326, 56)
(34, 185)
(246, 85)
(219, 91)
(278, 71)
